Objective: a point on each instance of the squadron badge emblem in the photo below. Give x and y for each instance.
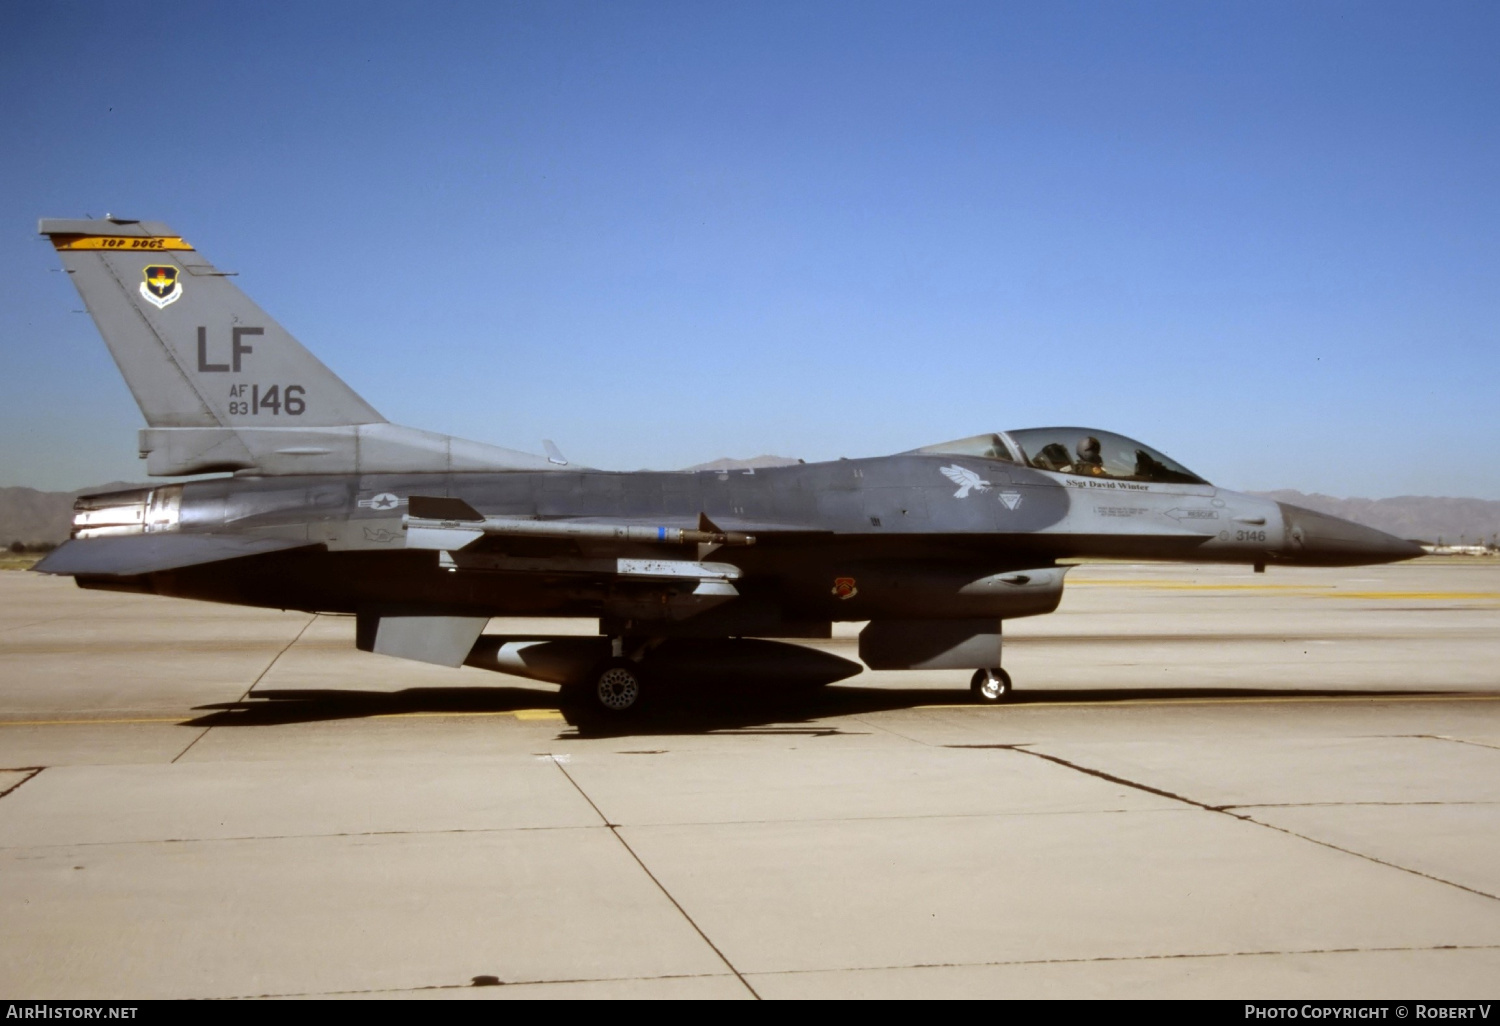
(844, 587)
(161, 287)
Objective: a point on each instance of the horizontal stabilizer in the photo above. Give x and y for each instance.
(127, 555)
(354, 449)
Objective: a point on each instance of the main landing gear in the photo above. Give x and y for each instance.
(618, 687)
(990, 686)
(615, 689)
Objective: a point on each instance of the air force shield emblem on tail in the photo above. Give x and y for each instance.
(161, 287)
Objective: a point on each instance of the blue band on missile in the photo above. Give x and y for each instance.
(661, 534)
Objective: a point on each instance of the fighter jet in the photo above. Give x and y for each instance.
(324, 506)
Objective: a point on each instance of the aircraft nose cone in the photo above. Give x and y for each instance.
(1317, 539)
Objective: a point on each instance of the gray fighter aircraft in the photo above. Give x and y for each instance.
(424, 537)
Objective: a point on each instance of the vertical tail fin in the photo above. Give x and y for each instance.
(194, 349)
(222, 385)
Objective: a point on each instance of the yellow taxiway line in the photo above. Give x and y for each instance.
(520, 714)
(1268, 700)
(1298, 589)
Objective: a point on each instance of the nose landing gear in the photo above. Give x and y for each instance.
(990, 686)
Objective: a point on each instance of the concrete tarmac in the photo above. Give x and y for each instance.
(1211, 784)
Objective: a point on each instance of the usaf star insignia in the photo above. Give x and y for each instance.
(383, 501)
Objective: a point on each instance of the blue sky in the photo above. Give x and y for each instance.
(1262, 237)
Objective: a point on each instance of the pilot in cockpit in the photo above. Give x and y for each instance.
(1089, 460)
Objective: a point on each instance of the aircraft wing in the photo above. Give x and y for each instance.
(127, 555)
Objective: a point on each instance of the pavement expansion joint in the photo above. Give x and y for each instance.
(1227, 810)
(615, 830)
(475, 982)
(85, 721)
(1170, 956)
(30, 771)
(259, 677)
(882, 728)
(242, 838)
(1339, 805)
(1025, 749)
(1454, 740)
(1368, 857)
(899, 817)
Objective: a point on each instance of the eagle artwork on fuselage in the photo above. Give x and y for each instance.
(966, 480)
(328, 507)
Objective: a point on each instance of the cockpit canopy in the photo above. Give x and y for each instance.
(1087, 452)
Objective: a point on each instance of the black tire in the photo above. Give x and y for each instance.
(991, 686)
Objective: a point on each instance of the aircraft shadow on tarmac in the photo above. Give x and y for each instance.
(766, 709)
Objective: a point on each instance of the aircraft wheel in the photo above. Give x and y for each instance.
(618, 688)
(990, 686)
